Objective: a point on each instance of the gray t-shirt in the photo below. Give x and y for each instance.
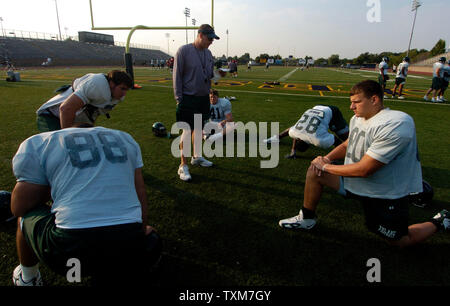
(389, 137)
(193, 70)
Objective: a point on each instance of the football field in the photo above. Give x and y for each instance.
(222, 229)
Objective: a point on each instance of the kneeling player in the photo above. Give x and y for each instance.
(312, 129)
(221, 115)
(381, 169)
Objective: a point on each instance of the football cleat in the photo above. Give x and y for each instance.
(201, 161)
(442, 220)
(401, 97)
(183, 172)
(273, 139)
(298, 222)
(18, 280)
(426, 98)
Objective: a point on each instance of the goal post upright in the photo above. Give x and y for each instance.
(127, 57)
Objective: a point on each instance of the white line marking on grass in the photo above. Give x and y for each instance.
(287, 75)
(305, 95)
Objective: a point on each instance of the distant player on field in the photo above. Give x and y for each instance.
(312, 129)
(445, 82)
(384, 76)
(437, 81)
(381, 169)
(84, 100)
(400, 80)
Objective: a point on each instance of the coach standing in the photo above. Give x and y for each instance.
(88, 97)
(192, 74)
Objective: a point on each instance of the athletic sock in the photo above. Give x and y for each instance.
(308, 214)
(28, 273)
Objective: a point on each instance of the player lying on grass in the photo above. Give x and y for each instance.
(84, 100)
(312, 129)
(381, 169)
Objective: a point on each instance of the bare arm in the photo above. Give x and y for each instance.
(25, 196)
(68, 109)
(142, 195)
(338, 152)
(364, 168)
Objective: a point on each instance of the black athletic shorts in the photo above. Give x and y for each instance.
(116, 249)
(400, 81)
(191, 105)
(384, 217)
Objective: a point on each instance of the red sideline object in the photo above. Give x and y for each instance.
(136, 86)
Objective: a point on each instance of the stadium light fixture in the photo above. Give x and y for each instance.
(415, 6)
(187, 13)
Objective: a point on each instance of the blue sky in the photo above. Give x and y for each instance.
(316, 28)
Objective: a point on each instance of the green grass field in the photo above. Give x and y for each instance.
(222, 228)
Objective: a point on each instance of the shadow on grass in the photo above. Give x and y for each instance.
(216, 243)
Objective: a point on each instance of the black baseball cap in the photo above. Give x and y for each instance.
(208, 31)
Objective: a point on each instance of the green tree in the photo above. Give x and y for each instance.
(438, 48)
(333, 60)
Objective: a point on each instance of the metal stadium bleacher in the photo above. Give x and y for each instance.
(33, 52)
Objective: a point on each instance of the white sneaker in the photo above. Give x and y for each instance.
(201, 161)
(439, 100)
(298, 222)
(183, 172)
(426, 98)
(273, 139)
(401, 97)
(18, 280)
(443, 99)
(434, 100)
(385, 97)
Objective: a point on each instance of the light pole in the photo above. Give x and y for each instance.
(227, 44)
(415, 6)
(193, 23)
(187, 13)
(168, 36)
(1, 22)
(57, 17)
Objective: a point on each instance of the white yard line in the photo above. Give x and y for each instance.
(286, 76)
(305, 95)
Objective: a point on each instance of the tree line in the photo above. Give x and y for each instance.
(396, 58)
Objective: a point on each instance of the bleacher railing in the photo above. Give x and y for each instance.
(50, 36)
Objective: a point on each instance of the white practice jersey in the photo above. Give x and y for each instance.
(220, 110)
(92, 89)
(402, 70)
(91, 173)
(385, 66)
(447, 73)
(389, 137)
(313, 126)
(438, 66)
